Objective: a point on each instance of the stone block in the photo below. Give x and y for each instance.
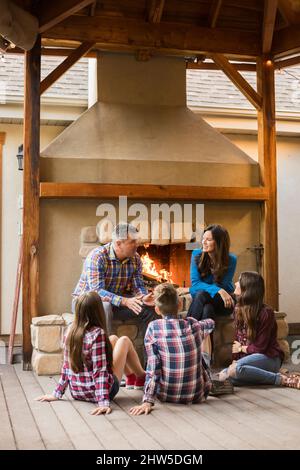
(89, 235)
(47, 338)
(48, 320)
(46, 363)
(85, 249)
(68, 318)
(284, 345)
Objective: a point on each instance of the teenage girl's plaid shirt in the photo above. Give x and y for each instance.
(96, 379)
(176, 371)
(110, 277)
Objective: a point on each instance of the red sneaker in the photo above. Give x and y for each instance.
(130, 381)
(140, 382)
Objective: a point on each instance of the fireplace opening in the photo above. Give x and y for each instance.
(165, 263)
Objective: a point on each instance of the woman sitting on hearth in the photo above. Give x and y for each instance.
(212, 271)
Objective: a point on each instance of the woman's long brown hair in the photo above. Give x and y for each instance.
(89, 312)
(250, 302)
(221, 259)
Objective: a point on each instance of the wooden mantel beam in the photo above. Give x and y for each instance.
(268, 24)
(171, 38)
(52, 12)
(238, 80)
(62, 68)
(149, 191)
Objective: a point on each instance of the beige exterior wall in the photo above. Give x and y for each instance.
(12, 216)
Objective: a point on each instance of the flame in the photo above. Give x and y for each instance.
(149, 267)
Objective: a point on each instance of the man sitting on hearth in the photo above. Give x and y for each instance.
(114, 271)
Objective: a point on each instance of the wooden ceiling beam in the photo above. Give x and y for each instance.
(214, 13)
(53, 12)
(170, 38)
(156, 11)
(62, 68)
(212, 66)
(270, 11)
(283, 64)
(286, 42)
(238, 80)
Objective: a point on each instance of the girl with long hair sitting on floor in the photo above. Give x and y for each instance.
(256, 352)
(93, 362)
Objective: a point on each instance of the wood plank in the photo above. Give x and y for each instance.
(270, 11)
(157, 424)
(120, 428)
(79, 433)
(24, 427)
(238, 80)
(168, 38)
(268, 172)
(282, 428)
(7, 439)
(31, 180)
(62, 68)
(52, 432)
(52, 13)
(210, 428)
(156, 11)
(148, 191)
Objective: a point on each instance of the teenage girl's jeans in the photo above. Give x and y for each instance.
(257, 369)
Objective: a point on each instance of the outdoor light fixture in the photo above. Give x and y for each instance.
(20, 156)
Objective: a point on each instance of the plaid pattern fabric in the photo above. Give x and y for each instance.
(110, 277)
(95, 381)
(176, 371)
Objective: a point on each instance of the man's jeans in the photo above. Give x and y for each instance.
(123, 313)
(257, 369)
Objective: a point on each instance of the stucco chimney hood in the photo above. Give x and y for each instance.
(141, 114)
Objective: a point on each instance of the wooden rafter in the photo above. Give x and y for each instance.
(149, 191)
(238, 80)
(291, 62)
(212, 66)
(214, 13)
(156, 11)
(270, 11)
(53, 12)
(62, 68)
(168, 38)
(286, 42)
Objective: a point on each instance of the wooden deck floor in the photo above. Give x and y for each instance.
(251, 418)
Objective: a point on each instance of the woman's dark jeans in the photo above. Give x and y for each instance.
(204, 306)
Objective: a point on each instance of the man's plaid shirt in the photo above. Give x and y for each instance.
(176, 371)
(95, 381)
(104, 273)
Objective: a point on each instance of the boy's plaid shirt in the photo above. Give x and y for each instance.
(176, 371)
(96, 379)
(110, 277)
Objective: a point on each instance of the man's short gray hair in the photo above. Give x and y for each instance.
(123, 231)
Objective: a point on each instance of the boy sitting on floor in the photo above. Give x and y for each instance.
(177, 367)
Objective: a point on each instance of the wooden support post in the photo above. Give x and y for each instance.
(31, 195)
(267, 161)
